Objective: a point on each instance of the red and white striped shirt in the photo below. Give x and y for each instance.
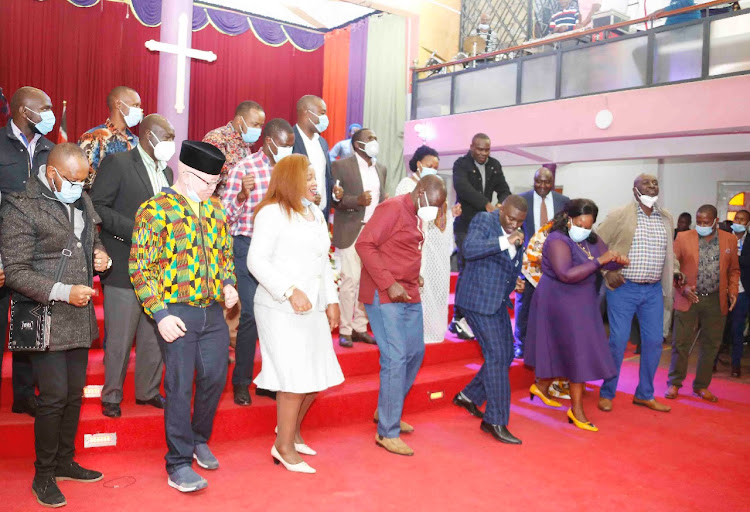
(240, 215)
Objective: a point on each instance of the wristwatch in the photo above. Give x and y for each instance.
(109, 262)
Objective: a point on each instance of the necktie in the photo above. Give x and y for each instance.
(543, 216)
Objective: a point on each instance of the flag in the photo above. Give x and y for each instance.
(4, 109)
(62, 134)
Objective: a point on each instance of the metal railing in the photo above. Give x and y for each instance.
(708, 47)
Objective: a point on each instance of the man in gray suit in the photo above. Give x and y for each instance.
(125, 181)
(363, 181)
(544, 203)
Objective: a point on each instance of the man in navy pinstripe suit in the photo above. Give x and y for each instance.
(493, 250)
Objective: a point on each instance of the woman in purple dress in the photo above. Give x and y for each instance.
(566, 336)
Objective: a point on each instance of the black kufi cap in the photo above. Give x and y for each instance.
(202, 156)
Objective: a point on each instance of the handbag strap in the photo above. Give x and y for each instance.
(66, 253)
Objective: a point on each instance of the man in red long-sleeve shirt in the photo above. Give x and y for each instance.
(390, 247)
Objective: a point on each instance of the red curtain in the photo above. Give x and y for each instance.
(247, 69)
(76, 54)
(336, 83)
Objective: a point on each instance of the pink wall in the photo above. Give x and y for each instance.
(709, 106)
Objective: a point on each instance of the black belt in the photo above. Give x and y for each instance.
(703, 294)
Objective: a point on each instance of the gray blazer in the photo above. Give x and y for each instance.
(348, 216)
(35, 229)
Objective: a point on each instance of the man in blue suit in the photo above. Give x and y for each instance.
(493, 250)
(544, 203)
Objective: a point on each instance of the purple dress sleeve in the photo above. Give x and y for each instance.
(561, 260)
(601, 248)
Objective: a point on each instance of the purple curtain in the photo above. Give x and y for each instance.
(148, 12)
(200, 18)
(268, 31)
(84, 3)
(355, 103)
(229, 22)
(304, 38)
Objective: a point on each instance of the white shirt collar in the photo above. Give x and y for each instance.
(19, 134)
(315, 136)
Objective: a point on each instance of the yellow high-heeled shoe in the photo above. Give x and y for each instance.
(534, 391)
(583, 426)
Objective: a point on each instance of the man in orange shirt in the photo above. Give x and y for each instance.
(708, 259)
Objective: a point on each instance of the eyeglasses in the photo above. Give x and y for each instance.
(212, 183)
(74, 183)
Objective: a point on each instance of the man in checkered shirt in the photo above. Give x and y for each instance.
(643, 231)
(247, 183)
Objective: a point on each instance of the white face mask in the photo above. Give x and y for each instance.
(164, 149)
(648, 201)
(135, 115)
(371, 148)
(577, 233)
(484, 26)
(427, 213)
(281, 151)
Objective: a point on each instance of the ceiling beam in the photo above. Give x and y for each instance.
(297, 11)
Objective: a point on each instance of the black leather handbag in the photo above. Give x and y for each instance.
(30, 320)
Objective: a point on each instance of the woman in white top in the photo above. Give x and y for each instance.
(436, 250)
(296, 305)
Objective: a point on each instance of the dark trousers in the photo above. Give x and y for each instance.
(492, 384)
(521, 312)
(737, 319)
(247, 332)
(23, 378)
(201, 354)
(707, 314)
(61, 376)
(459, 237)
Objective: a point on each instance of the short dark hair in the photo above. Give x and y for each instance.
(276, 126)
(742, 211)
(357, 137)
(67, 150)
(708, 209)
(420, 154)
(115, 94)
(685, 215)
(576, 208)
(482, 136)
(516, 202)
(247, 106)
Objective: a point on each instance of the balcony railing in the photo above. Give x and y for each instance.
(711, 47)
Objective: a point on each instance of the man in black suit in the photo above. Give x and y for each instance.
(476, 177)
(125, 181)
(311, 122)
(544, 203)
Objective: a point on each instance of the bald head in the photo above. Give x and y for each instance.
(25, 106)
(309, 111)
(434, 187)
(544, 182)
(69, 161)
(125, 94)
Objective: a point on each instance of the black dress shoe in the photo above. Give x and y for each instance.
(345, 340)
(363, 337)
(500, 432)
(265, 392)
(157, 401)
(46, 492)
(467, 404)
(25, 406)
(242, 395)
(736, 371)
(73, 471)
(111, 410)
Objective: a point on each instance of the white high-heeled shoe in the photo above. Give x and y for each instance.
(300, 447)
(300, 467)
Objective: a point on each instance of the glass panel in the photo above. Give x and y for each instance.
(606, 67)
(738, 200)
(678, 54)
(491, 87)
(434, 98)
(730, 45)
(538, 80)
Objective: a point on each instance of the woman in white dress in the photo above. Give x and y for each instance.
(436, 250)
(296, 305)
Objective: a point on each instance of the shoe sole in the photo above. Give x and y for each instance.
(203, 465)
(395, 453)
(462, 406)
(70, 478)
(180, 488)
(57, 505)
(481, 427)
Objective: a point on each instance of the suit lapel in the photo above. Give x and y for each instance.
(140, 170)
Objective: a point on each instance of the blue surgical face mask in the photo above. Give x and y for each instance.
(739, 228)
(69, 192)
(306, 202)
(47, 122)
(135, 115)
(578, 234)
(427, 171)
(252, 134)
(705, 230)
(322, 123)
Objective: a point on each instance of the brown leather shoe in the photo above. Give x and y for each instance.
(652, 404)
(605, 404)
(705, 395)
(393, 445)
(363, 337)
(345, 340)
(672, 392)
(405, 427)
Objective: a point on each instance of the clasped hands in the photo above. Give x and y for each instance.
(301, 304)
(172, 327)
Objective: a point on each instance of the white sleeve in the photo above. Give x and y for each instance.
(268, 224)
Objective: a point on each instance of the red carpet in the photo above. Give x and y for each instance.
(693, 458)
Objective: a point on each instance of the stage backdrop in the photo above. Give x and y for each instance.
(79, 54)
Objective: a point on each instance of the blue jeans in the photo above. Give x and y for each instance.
(399, 332)
(201, 354)
(247, 331)
(646, 301)
(737, 318)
